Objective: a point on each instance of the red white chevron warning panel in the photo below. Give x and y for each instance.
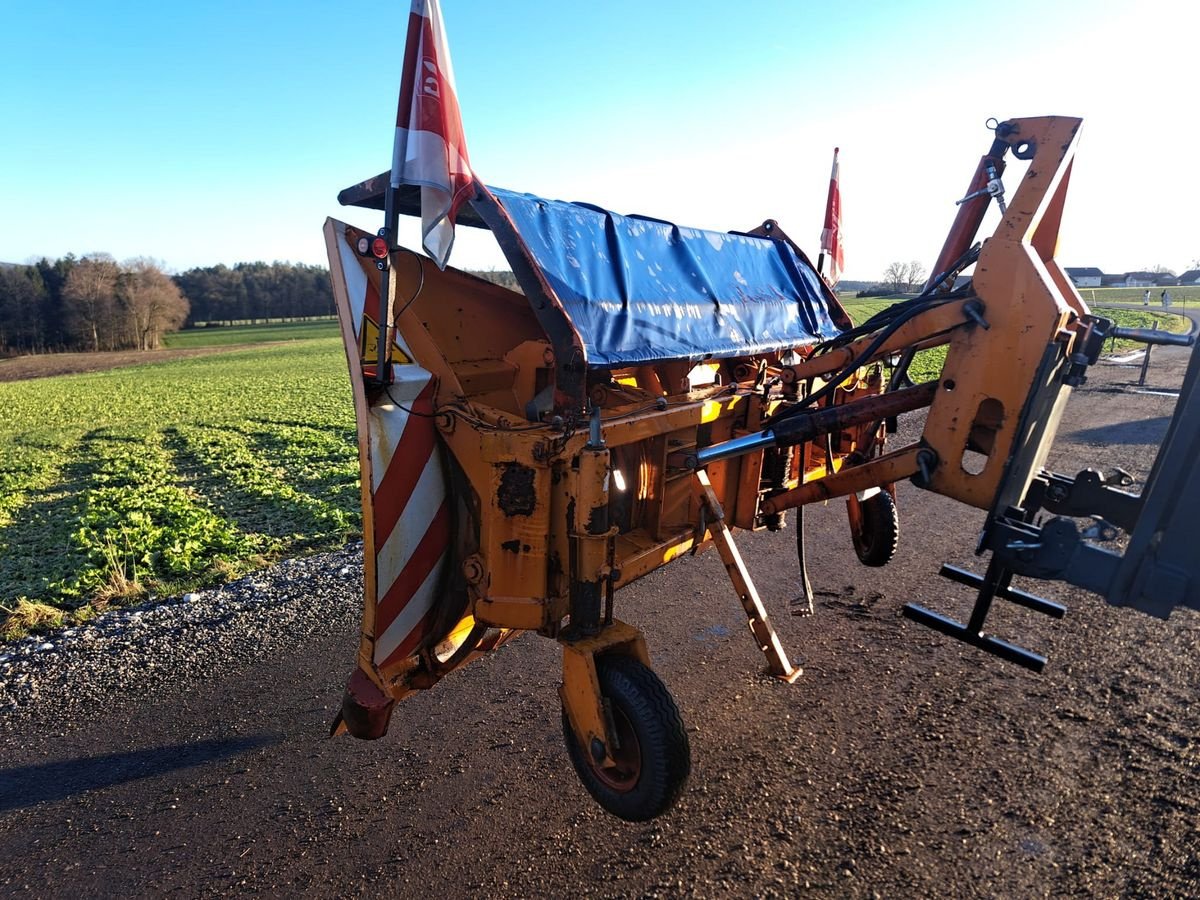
(408, 515)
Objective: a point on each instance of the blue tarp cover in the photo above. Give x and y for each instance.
(641, 290)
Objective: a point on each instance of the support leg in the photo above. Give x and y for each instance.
(756, 614)
(992, 584)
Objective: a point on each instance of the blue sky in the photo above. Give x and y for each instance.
(219, 132)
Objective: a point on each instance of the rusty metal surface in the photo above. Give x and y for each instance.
(806, 426)
(366, 710)
(517, 495)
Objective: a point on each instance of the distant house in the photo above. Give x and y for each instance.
(1191, 276)
(1112, 281)
(1085, 277)
(1139, 279)
(1165, 279)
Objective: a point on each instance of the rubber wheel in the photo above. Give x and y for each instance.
(653, 761)
(878, 536)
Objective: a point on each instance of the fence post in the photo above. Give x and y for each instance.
(1146, 361)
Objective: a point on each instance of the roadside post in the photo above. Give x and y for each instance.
(1146, 361)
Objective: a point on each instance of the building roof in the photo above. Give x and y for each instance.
(1084, 272)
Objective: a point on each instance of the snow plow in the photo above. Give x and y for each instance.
(652, 389)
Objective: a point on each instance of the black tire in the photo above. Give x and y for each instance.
(654, 759)
(879, 536)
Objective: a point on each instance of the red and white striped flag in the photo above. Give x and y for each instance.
(831, 234)
(430, 149)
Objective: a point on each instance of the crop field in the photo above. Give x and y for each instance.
(161, 477)
(220, 336)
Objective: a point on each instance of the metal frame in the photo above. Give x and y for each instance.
(536, 443)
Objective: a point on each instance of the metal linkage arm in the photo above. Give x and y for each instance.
(804, 427)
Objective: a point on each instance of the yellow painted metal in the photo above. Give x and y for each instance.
(990, 373)
(778, 663)
(590, 495)
(882, 470)
(580, 689)
(537, 515)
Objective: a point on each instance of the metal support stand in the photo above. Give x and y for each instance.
(778, 663)
(1145, 366)
(994, 583)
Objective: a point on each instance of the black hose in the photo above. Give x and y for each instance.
(887, 322)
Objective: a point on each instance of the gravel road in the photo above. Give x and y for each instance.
(181, 748)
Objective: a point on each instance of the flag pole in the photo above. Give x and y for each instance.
(408, 79)
(429, 154)
(383, 365)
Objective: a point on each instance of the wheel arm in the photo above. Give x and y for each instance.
(580, 690)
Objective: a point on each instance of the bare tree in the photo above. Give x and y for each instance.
(904, 277)
(895, 276)
(151, 301)
(1159, 269)
(90, 294)
(916, 275)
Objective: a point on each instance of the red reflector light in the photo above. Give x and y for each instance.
(379, 247)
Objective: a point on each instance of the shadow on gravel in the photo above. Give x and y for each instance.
(26, 786)
(1147, 431)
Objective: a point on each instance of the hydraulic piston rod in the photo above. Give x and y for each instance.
(803, 427)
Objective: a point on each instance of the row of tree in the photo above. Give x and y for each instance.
(256, 291)
(95, 303)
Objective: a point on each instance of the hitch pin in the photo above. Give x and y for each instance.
(1023, 545)
(973, 310)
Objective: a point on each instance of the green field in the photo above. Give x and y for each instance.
(1188, 296)
(161, 477)
(223, 336)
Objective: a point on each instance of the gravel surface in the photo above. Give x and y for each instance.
(134, 651)
(183, 750)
